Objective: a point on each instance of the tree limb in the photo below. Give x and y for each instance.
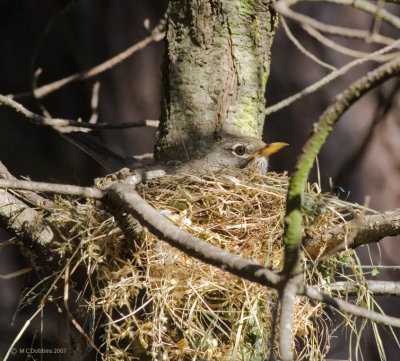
(358, 232)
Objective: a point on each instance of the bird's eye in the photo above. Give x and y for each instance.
(239, 150)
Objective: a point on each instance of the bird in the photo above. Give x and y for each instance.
(233, 152)
(229, 152)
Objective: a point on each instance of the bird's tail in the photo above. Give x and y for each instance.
(111, 161)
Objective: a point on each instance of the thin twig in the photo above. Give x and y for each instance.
(156, 35)
(302, 49)
(152, 123)
(70, 315)
(386, 103)
(342, 49)
(94, 103)
(16, 273)
(283, 9)
(384, 288)
(328, 78)
(86, 192)
(348, 307)
(370, 8)
(35, 118)
(377, 20)
(68, 125)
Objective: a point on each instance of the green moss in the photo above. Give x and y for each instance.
(246, 6)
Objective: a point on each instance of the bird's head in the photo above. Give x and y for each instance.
(243, 152)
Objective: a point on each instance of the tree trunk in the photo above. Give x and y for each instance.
(215, 70)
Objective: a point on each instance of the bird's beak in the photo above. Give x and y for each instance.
(270, 149)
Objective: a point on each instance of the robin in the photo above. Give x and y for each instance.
(227, 153)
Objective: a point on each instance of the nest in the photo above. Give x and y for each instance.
(150, 301)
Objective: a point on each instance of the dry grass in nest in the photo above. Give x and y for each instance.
(152, 302)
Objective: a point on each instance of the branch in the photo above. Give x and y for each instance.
(358, 232)
(383, 288)
(372, 9)
(283, 9)
(329, 77)
(68, 125)
(348, 307)
(28, 225)
(302, 49)
(293, 220)
(288, 298)
(156, 35)
(121, 125)
(345, 50)
(87, 192)
(36, 118)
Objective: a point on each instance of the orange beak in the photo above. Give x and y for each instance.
(270, 149)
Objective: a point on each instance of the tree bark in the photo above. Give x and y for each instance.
(215, 70)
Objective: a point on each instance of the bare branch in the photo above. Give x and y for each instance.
(366, 6)
(370, 8)
(384, 288)
(344, 50)
(67, 125)
(328, 78)
(94, 103)
(23, 221)
(288, 298)
(301, 48)
(348, 307)
(29, 226)
(121, 125)
(355, 233)
(86, 192)
(36, 118)
(283, 9)
(156, 35)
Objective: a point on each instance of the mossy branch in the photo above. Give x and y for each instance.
(298, 181)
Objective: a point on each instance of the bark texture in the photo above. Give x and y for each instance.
(215, 70)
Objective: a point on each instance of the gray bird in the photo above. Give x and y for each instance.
(233, 152)
(228, 153)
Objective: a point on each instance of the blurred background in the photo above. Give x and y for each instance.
(362, 155)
